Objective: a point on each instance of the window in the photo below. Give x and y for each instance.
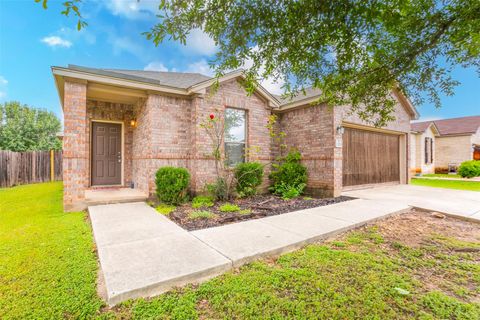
(235, 130)
(428, 150)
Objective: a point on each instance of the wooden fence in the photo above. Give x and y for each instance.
(29, 167)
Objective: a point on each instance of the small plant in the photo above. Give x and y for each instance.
(201, 214)
(307, 198)
(172, 184)
(219, 189)
(245, 211)
(469, 169)
(165, 209)
(289, 177)
(249, 176)
(228, 207)
(202, 201)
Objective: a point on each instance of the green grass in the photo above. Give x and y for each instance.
(442, 175)
(202, 201)
(229, 207)
(48, 271)
(449, 184)
(201, 214)
(165, 209)
(48, 266)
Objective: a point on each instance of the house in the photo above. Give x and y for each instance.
(453, 141)
(422, 147)
(120, 126)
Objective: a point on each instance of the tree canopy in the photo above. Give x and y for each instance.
(23, 128)
(354, 51)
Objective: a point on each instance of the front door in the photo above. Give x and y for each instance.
(106, 153)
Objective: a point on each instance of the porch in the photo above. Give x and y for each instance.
(98, 196)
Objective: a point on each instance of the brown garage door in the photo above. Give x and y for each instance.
(370, 157)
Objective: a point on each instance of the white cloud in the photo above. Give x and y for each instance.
(125, 44)
(75, 35)
(200, 66)
(155, 66)
(3, 87)
(55, 41)
(271, 84)
(133, 9)
(198, 42)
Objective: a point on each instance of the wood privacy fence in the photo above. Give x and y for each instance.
(29, 167)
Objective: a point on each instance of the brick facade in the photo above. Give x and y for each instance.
(168, 133)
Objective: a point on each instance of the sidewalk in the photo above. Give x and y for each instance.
(143, 253)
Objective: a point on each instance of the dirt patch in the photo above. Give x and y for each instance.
(417, 227)
(250, 208)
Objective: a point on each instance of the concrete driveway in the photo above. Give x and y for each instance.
(456, 202)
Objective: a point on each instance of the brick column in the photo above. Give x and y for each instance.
(75, 146)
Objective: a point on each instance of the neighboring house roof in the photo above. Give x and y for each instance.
(183, 83)
(454, 126)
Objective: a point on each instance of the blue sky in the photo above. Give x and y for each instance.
(33, 39)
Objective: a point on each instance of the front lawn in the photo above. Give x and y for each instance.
(442, 175)
(449, 184)
(409, 266)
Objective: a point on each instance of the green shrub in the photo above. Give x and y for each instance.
(249, 176)
(202, 214)
(290, 177)
(469, 169)
(172, 184)
(202, 201)
(165, 209)
(218, 189)
(245, 211)
(228, 207)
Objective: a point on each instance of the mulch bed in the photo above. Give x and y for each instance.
(260, 206)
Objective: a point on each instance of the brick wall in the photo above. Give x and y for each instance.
(310, 130)
(453, 150)
(75, 145)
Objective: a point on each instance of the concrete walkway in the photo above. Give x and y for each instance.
(455, 202)
(143, 253)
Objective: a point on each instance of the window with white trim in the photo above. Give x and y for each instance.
(234, 136)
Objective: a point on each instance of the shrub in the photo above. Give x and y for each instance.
(469, 169)
(218, 190)
(172, 184)
(202, 214)
(228, 207)
(249, 176)
(290, 177)
(165, 209)
(202, 201)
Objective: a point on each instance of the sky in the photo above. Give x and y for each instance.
(33, 39)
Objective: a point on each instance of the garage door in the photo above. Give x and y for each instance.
(370, 157)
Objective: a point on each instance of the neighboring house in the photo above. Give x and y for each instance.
(456, 140)
(120, 126)
(422, 147)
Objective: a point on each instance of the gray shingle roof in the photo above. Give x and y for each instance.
(420, 126)
(181, 80)
(309, 93)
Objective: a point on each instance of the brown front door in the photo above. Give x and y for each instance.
(106, 153)
(370, 157)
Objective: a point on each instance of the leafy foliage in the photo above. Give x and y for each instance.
(249, 176)
(172, 184)
(289, 178)
(202, 214)
(354, 52)
(68, 7)
(23, 128)
(202, 201)
(469, 169)
(229, 207)
(165, 209)
(219, 189)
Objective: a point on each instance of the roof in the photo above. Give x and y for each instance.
(454, 126)
(183, 83)
(181, 80)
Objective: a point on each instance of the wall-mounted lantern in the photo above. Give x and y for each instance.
(133, 122)
(340, 130)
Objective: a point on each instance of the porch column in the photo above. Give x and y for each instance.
(75, 145)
